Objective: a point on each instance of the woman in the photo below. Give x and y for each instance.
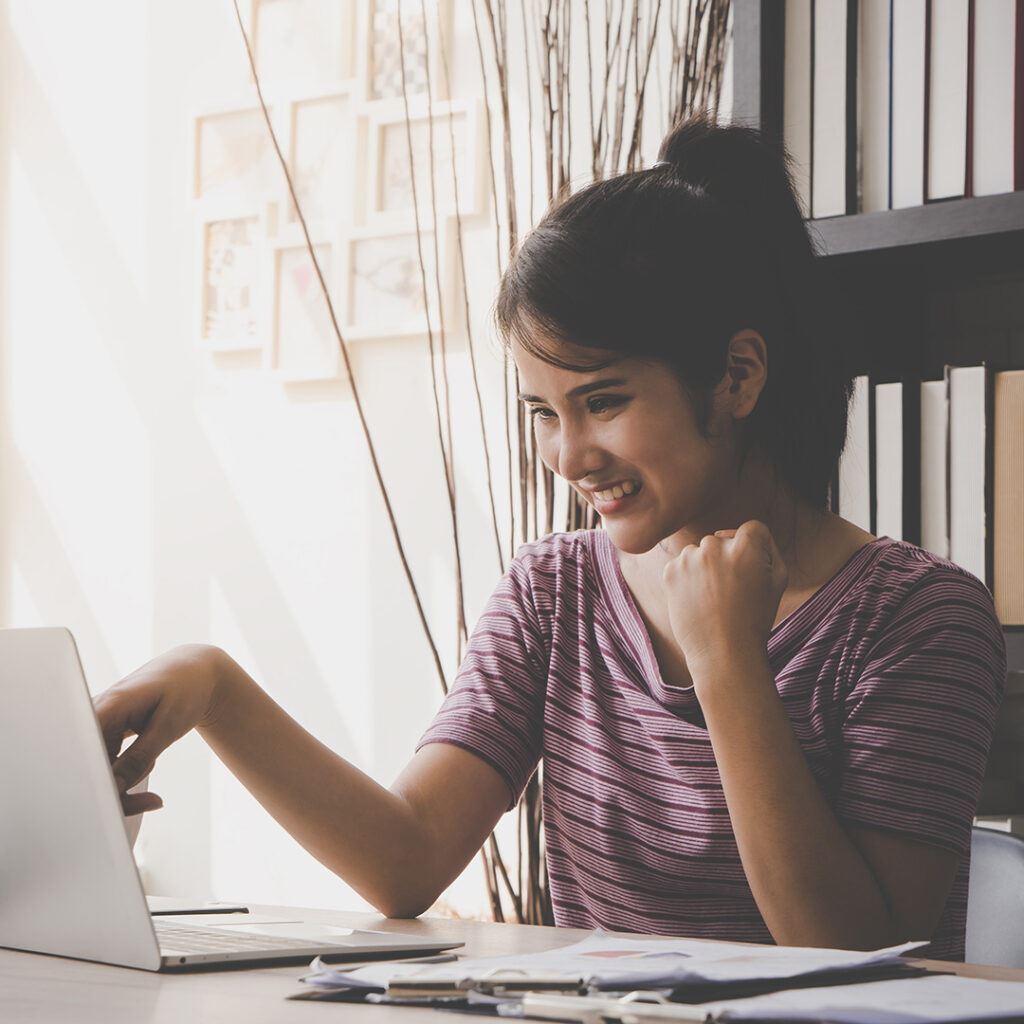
(757, 721)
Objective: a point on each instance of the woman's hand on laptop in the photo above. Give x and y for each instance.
(158, 703)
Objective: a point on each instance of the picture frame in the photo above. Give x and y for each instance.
(382, 281)
(389, 197)
(304, 46)
(323, 170)
(377, 62)
(231, 313)
(233, 157)
(303, 347)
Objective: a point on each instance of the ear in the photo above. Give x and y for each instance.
(746, 372)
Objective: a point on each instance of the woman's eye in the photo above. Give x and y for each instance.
(596, 405)
(604, 403)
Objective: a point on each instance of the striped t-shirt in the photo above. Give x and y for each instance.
(891, 675)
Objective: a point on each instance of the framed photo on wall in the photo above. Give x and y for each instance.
(303, 45)
(321, 150)
(231, 306)
(388, 290)
(233, 157)
(379, 61)
(431, 138)
(304, 346)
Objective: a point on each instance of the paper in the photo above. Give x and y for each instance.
(929, 1000)
(611, 964)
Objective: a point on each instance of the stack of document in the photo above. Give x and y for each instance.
(937, 999)
(609, 980)
(601, 963)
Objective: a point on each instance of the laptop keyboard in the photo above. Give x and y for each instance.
(191, 938)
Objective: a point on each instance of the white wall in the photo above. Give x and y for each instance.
(152, 494)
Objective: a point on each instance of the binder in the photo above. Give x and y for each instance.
(935, 466)
(829, 106)
(796, 95)
(970, 469)
(855, 462)
(874, 84)
(889, 460)
(992, 113)
(1008, 497)
(947, 98)
(909, 19)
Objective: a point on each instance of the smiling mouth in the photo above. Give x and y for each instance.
(623, 490)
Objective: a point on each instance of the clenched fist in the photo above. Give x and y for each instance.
(723, 594)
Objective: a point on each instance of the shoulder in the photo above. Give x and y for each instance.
(912, 601)
(556, 560)
(896, 575)
(904, 577)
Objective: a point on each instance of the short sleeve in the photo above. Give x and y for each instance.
(495, 708)
(919, 719)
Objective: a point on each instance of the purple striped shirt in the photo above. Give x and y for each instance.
(891, 675)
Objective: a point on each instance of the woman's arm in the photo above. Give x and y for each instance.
(398, 848)
(815, 883)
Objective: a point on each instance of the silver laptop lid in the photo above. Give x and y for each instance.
(68, 881)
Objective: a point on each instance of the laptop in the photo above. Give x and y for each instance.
(70, 884)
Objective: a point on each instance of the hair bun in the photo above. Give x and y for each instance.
(739, 168)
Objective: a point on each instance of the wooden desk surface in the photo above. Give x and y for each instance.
(53, 990)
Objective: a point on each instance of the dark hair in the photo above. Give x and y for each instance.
(670, 262)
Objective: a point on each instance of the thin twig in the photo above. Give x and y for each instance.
(344, 352)
(500, 266)
(445, 449)
(466, 305)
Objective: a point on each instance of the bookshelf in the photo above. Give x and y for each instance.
(997, 222)
(914, 288)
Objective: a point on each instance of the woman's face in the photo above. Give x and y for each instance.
(629, 426)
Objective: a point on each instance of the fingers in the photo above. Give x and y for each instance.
(112, 721)
(137, 760)
(138, 803)
(135, 763)
(756, 530)
(124, 713)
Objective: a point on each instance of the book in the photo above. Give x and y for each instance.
(855, 461)
(1008, 497)
(909, 18)
(947, 98)
(992, 101)
(1018, 100)
(829, 114)
(874, 81)
(796, 94)
(889, 460)
(1013, 823)
(935, 467)
(970, 493)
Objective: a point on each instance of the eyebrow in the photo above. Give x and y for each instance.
(583, 389)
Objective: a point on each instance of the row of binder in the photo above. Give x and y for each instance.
(895, 103)
(941, 463)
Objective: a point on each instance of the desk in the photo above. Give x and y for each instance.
(52, 990)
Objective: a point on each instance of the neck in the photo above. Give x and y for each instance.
(793, 523)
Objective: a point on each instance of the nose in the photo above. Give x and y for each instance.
(578, 455)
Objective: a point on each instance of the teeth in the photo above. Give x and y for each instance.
(618, 491)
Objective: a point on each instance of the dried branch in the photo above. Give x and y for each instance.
(465, 298)
(371, 449)
(445, 443)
